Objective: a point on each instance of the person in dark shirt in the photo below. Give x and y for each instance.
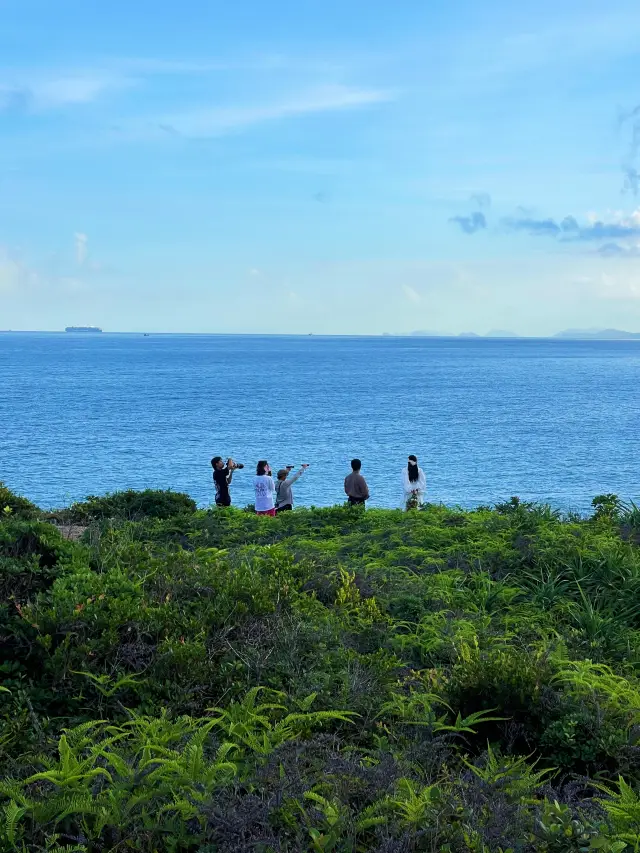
(222, 474)
(355, 485)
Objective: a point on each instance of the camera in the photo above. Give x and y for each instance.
(231, 464)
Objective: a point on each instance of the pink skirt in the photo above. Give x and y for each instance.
(266, 511)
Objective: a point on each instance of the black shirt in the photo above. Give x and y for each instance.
(221, 479)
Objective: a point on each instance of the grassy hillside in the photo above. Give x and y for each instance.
(329, 680)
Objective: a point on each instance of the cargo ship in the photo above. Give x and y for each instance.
(91, 329)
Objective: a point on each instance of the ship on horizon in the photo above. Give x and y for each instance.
(92, 329)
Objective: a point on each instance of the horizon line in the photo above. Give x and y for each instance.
(564, 335)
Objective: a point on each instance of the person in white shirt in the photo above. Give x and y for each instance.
(414, 483)
(265, 489)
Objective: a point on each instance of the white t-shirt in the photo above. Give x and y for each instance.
(265, 492)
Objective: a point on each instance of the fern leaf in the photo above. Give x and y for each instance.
(13, 814)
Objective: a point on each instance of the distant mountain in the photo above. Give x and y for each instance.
(428, 333)
(598, 335)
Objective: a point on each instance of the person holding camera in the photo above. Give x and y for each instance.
(284, 495)
(222, 475)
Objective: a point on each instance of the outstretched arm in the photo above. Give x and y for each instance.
(291, 479)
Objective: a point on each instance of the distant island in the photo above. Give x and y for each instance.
(567, 334)
(598, 335)
(91, 329)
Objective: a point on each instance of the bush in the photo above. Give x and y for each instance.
(15, 506)
(132, 505)
(32, 556)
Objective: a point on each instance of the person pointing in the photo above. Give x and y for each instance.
(284, 495)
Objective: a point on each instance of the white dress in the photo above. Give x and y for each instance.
(420, 485)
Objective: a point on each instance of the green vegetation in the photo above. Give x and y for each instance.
(12, 504)
(130, 505)
(331, 680)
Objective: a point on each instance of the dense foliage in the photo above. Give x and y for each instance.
(15, 505)
(130, 505)
(327, 680)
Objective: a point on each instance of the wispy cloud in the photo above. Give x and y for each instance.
(533, 227)
(75, 90)
(624, 287)
(631, 120)
(470, 224)
(82, 244)
(50, 92)
(619, 232)
(217, 121)
(620, 227)
(481, 200)
(15, 274)
(618, 250)
(59, 272)
(41, 89)
(411, 294)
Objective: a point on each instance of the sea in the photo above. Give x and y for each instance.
(553, 421)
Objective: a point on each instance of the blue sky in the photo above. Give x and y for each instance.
(327, 167)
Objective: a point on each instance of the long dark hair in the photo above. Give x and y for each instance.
(261, 470)
(414, 473)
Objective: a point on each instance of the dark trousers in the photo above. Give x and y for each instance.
(356, 501)
(223, 501)
(285, 508)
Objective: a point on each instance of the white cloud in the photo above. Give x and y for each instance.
(220, 120)
(605, 285)
(14, 274)
(49, 94)
(45, 92)
(624, 286)
(82, 245)
(53, 88)
(411, 294)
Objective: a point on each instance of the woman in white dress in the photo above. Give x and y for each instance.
(414, 483)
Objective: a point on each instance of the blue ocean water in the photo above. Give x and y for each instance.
(547, 420)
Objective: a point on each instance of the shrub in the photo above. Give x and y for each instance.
(15, 506)
(132, 505)
(32, 556)
(606, 507)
